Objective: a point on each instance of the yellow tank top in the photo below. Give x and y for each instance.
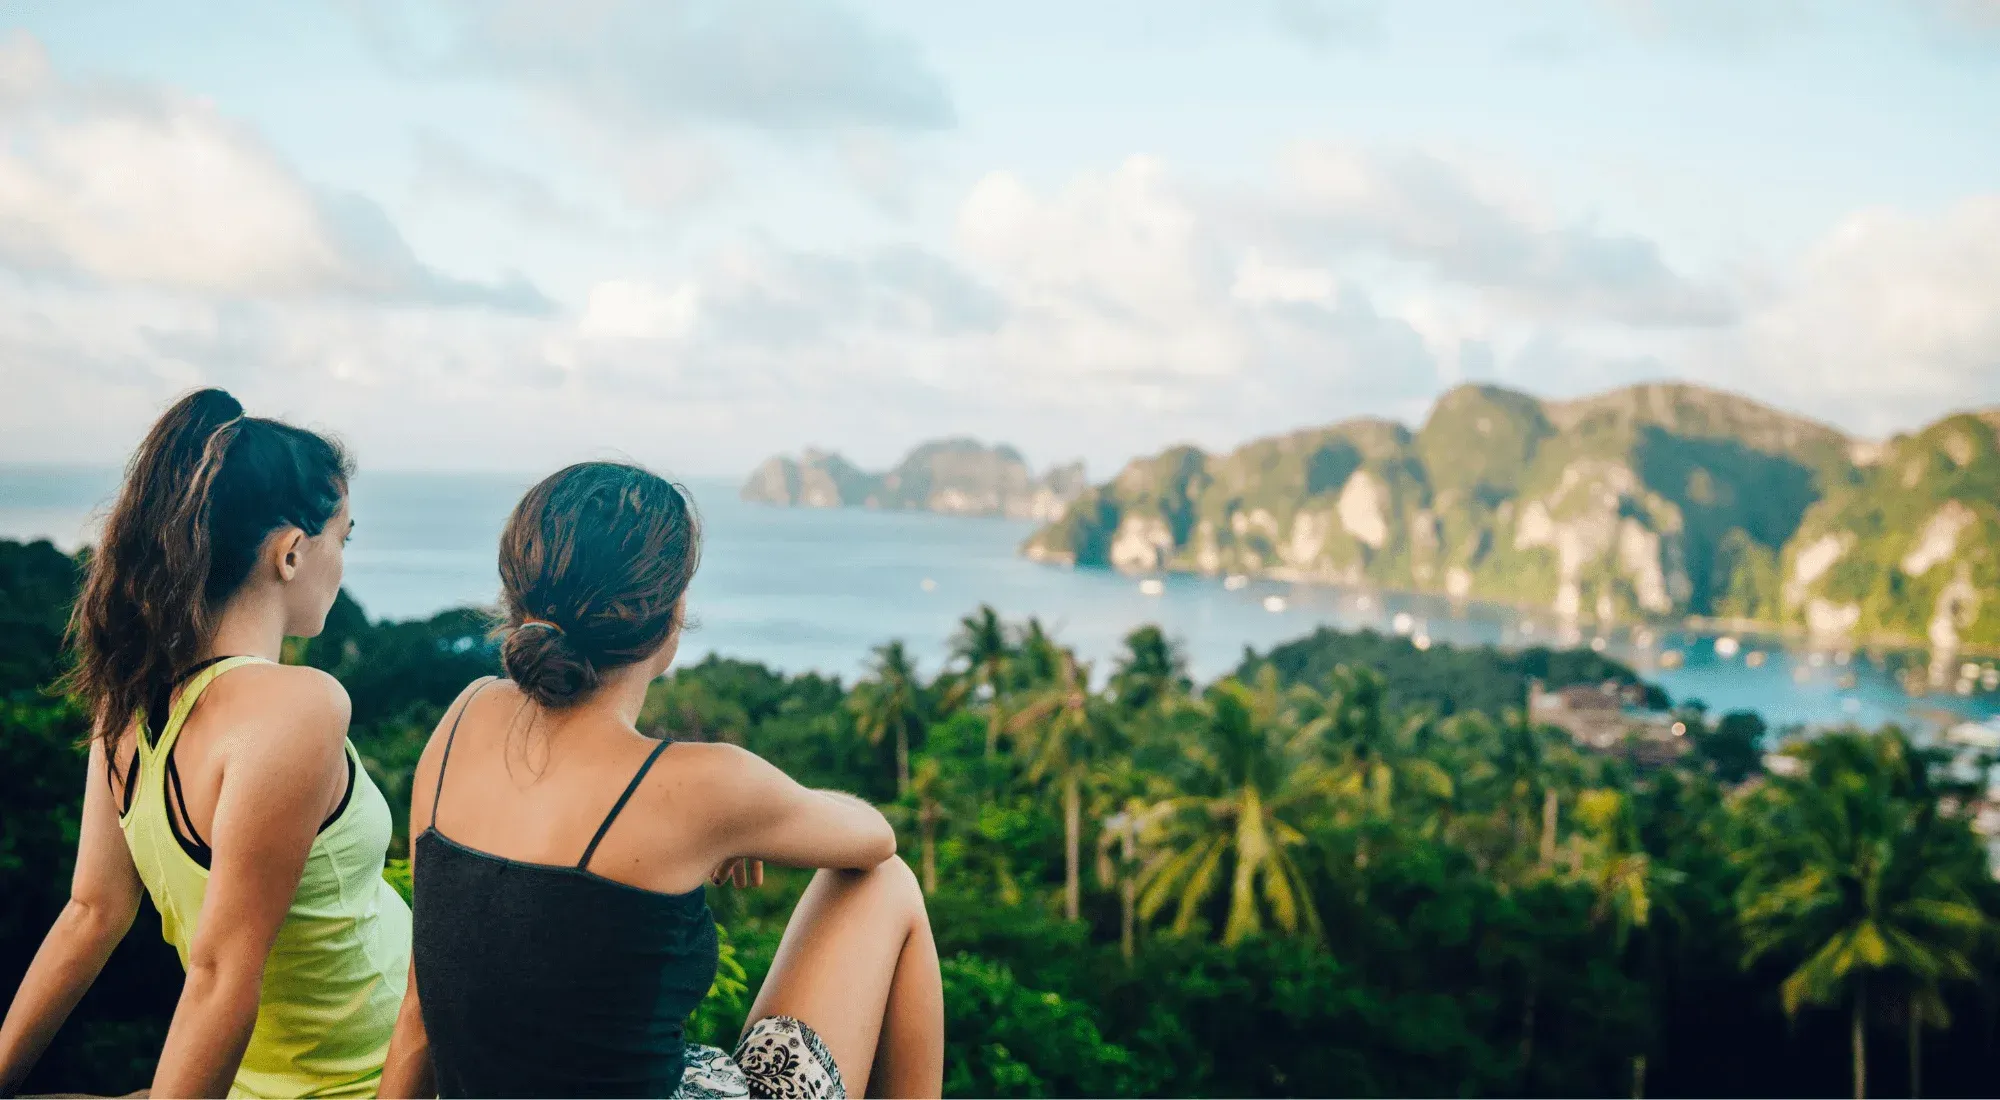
(334, 980)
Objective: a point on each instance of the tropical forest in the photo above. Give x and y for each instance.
(1349, 867)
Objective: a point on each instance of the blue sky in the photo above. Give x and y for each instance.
(504, 235)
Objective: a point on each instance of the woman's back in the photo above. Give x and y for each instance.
(540, 975)
(335, 973)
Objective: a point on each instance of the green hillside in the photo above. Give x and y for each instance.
(1649, 502)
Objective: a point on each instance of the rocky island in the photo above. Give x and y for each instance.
(1656, 501)
(954, 476)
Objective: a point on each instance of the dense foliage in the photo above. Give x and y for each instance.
(1351, 868)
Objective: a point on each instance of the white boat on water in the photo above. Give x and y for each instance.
(1727, 647)
(1274, 604)
(1152, 586)
(1234, 581)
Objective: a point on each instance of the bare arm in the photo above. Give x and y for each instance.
(103, 899)
(407, 1071)
(764, 815)
(267, 812)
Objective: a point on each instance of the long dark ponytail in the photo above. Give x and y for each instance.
(201, 494)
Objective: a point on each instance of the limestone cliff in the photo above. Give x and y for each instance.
(956, 476)
(1652, 501)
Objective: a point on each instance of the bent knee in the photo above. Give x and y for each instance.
(890, 883)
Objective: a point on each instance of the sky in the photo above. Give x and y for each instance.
(500, 235)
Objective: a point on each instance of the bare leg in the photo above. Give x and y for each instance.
(858, 965)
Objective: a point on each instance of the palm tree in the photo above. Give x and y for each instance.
(981, 642)
(1247, 798)
(1121, 856)
(1066, 730)
(1347, 727)
(926, 788)
(890, 705)
(1520, 770)
(1151, 670)
(1037, 658)
(1856, 874)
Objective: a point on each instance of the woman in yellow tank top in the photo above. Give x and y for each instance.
(221, 782)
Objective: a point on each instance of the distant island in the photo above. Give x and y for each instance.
(954, 476)
(1658, 501)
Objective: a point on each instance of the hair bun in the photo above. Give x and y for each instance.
(547, 666)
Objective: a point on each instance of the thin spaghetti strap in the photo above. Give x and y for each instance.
(449, 737)
(616, 807)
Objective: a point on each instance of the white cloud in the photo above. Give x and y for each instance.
(143, 186)
(774, 65)
(447, 170)
(1259, 280)
(624, 309)
(1471, 230)
(1890, 316)
(1112, 275)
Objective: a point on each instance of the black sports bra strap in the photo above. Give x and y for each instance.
(618, 806)
(451, 736)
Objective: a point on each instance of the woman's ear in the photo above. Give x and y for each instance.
(288, 548)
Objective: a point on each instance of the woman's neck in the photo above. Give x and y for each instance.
(623, 695)
(249, 626)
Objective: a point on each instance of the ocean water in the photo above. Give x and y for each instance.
(807, 589)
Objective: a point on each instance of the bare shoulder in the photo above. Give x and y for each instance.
(733, 783)
(454, 713)
(464, 698)
(720, 766)
(307, 697)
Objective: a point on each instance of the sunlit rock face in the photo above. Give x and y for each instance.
(1653, 501)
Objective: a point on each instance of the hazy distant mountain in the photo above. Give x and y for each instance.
(957, 476)
(1649, 501)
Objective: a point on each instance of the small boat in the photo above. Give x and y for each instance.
(927, 585)
(1274, 604)
(1152, 586)
(1234, 581)
(1727, 647)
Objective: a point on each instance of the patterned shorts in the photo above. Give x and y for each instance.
(778, 1056)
